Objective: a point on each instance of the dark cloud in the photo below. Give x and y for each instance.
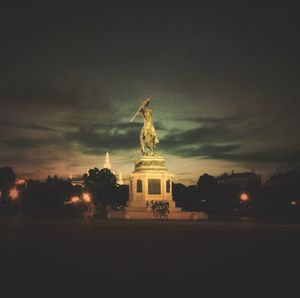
(24, 143)
(219, 138)
(215, 133)
(232, 138)
(38, 90)
(93, 142)
(275, 156)
(27, 126)
(232, 153)
(34, 96)
(208, 151)
(237, 117)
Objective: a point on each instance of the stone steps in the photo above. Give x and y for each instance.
(149, 214)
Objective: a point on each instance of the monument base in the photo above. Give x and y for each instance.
(151, 182)
(143, 205)
(150, 214)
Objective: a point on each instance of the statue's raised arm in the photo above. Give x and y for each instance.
(148, 136)
(146, 101)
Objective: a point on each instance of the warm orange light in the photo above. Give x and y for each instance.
(13, 194)
(244, 197)
(293, 203)
(75, 199)
(86, 197)
(21, 181)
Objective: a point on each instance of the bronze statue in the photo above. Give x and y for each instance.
(148, 137)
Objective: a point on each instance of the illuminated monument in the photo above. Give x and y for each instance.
(150, 181)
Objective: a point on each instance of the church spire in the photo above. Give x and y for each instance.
(120, 179)
(107, 164)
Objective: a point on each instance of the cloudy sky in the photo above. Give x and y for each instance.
(225, 81)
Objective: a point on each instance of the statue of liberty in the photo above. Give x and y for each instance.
(148, 136)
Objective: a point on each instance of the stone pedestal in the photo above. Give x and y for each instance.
(150, 181)
(151, 215)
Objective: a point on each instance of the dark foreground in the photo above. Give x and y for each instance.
(213, 255)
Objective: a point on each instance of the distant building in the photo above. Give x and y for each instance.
(120, 179)
(288, 178)
(107, 164)
(241, 179)
(76, 181)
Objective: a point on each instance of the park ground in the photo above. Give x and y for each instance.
(218, 252)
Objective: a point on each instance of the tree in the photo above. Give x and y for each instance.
(102, 185)
(206, 183)
(179, 195)
(7, 181)
(7, 178)
(52, 181)
(208, 190)
(96, 177)
(46, 197)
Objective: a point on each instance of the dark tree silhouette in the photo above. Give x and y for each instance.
(96, 177)
(7, 181)
(46, 197)
(276, 197)
(102, 185)
(52, 181)
(187, 197)
(208, 191)
(7, 178)
(179, 195)
(207, 183)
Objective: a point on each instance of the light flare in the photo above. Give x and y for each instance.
(75, 199)
(13, 194)
(244, 197)
(86, 197)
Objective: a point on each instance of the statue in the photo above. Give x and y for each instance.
(148, 137)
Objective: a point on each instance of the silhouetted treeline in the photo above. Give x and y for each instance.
(241, 194)
(46, 197)
(49, 196)
(278, 197)
(7, 182)
(102, 185)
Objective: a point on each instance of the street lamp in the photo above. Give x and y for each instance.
(86, 197)
(75, 199)
(244, 197)
(13, 194)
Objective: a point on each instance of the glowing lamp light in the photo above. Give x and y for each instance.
(293, 203)
(244, 197)
(13, 194)
(86, 197)
(21, 181)
(75, 199)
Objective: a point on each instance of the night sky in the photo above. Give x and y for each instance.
(225, 82)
